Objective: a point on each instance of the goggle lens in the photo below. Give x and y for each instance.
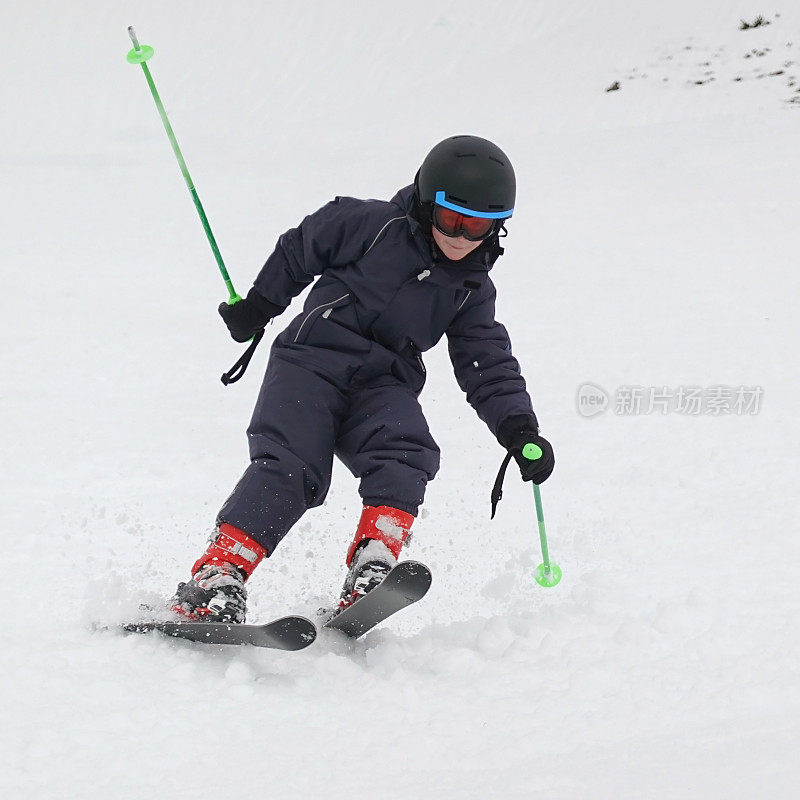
(451, 223)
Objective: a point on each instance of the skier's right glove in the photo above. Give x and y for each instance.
(249, 315)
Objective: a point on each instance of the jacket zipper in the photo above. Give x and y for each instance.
(314, 310)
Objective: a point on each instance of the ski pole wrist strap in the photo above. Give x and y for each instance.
(238, 369)
(497, 489)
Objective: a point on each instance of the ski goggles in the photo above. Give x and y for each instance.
(452, 223)
(453, 220)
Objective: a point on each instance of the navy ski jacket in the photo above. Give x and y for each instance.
(384, 296)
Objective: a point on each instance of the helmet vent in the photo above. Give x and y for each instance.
(496, 207)
(457, 199)
(497, 160)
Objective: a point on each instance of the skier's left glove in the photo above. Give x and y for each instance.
(516, 432)
(249, 315)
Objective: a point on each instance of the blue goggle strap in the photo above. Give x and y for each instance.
(467, 212)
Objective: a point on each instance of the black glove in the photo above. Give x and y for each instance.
(516, 432)
(249, 316)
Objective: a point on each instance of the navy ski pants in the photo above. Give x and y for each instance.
(303, 417)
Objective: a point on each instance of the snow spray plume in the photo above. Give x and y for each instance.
(140, 54)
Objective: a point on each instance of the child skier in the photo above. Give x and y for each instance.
(344, 377)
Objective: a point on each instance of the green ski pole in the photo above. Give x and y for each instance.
(140, 54)
(546, 574)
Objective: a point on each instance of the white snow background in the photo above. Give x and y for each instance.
(655, 243)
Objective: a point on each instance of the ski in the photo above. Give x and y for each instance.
(286, 633)
(404, 585)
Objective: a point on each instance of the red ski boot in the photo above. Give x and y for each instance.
(216, 590)
(380, 535)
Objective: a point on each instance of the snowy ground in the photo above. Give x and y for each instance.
(654, 245)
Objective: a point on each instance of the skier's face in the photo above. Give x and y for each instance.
(453, 247)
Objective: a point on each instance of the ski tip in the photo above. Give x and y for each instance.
(413, 567)
(305, 629)
(412, 572)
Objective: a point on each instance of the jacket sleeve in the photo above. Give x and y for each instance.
(335, 235)
(483, 363)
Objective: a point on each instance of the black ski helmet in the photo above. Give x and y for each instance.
(470, 175)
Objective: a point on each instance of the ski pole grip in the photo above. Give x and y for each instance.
(532, 451)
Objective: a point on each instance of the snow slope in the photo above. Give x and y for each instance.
(654, 244)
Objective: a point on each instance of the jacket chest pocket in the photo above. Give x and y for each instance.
(322, 311)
